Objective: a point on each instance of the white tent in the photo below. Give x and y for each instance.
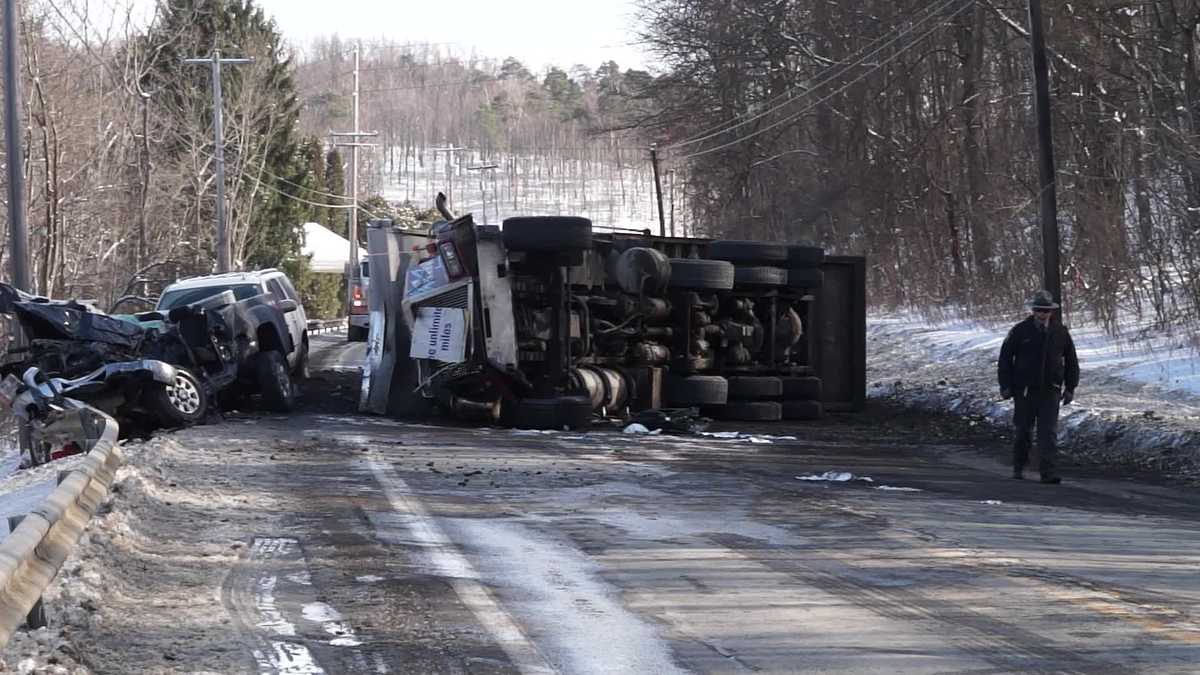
(329, 250)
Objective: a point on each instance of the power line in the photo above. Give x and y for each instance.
(818, 102)
(434, 85)
(824, 78)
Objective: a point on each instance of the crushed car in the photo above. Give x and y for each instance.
(145, 376)
(546, 324)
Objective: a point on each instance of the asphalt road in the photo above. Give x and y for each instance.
(438, 549)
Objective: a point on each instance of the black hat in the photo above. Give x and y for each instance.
(1042, 300)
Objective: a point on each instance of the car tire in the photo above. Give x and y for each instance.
(356, 334)
(696, 390)
(802, 388)
(748, 252)
(274, 382)
(701, 275)
(301, 371)
(180, 403)
(753, 388)
(805, 278)
(571, 412)
(760, 276)
(804, 255)
(547, 233)
(747, 411)
(802, 410)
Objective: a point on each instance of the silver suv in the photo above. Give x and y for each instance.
(271, 283)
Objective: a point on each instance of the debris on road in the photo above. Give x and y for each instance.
(640, 429)
(835, 477)
(898, 489)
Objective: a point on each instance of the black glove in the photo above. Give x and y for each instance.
(1005, 394)
(1068, 396)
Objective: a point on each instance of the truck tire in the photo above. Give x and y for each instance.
(547, 233)
(748, 411)
(571, 412)
(804, 255)
(802, 410)
(274, 382)
(748, 252)
(760, 276)
(751, 388)
(805, 277)
(181, 403)
(701, 275)
(696, 390)
(802, 388)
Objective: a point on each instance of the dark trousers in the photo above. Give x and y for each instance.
(1041, 410)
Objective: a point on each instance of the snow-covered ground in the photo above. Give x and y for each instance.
(1138, 402)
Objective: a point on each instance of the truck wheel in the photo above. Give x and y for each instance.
(748, 252)
(749, 388)
(683, 392)
(760, 276)
(748, 411)
(802, 410)
(274, 382)
(701, 275)
(547, 233)
(180, 403)
(805, 278)
(802, 388)
(572, 412)
(356, 334)
(802, 255)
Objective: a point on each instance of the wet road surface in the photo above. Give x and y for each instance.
(417, 548)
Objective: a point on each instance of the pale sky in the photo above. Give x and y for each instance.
(537, 32)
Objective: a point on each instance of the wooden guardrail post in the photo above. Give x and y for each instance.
(37, 614)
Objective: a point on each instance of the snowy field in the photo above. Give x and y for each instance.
(1138, 400)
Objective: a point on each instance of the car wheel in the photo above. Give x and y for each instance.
(805, 255)
(301, 371)
(180, 403)
(274, 382)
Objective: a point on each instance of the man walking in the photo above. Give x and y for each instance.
(1038, 368)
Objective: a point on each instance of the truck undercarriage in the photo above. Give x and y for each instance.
(544, 324)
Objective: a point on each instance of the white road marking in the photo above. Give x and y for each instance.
(450, 563)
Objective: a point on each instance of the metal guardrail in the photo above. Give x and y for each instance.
(31, 555)
(333, 325)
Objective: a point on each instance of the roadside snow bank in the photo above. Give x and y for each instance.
(1138, 401)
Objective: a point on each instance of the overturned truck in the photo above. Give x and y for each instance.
(545, 324)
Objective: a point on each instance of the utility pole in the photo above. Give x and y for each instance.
(662, 223)
(449, 172)
(1051, 275)
(671, 176)
(18, 235)
(355, 144)
(483, 193)
(224, 262)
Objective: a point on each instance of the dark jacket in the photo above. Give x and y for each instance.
(1035, 359)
